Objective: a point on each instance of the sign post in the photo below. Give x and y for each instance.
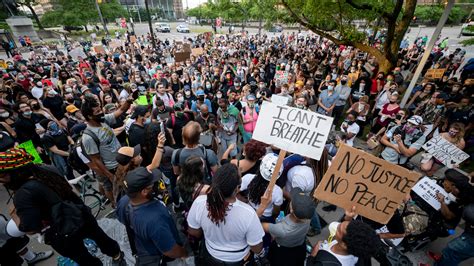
(374, 186)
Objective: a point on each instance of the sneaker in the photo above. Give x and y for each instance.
(330, 208)
(40, 256)
(120, 261)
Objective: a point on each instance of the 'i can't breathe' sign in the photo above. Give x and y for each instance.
(295, 130)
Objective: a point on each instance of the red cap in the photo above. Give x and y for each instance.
(47, 82)
(104, 82)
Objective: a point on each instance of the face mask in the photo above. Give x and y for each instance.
(261, 86)
(187, 93)
(201, 98)
(392, 102)
(148, 121)
(180, 99)
(330, 88)
(4, 115)
(204, 115)
(70, 100)
(208, 86)
(409, 129)
(300, 106)
(350, 122)
(219, 95)
(361, 86)
(398, 117)
(343, 82)
(237, 84)
(100, 118)
(390, 79)
(27, 113)
(138, 80)
(154, 192)
(452, 134)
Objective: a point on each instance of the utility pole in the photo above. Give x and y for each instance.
(149, 25)
(101, 18)
(428, 49)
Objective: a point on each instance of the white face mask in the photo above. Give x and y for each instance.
(187, 93)
(180, 99)
(4, 115)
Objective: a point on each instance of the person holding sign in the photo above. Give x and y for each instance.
(403, 142)
(455, 135)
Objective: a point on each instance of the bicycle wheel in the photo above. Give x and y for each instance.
(93, 202)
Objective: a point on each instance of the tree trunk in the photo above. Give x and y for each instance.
(385, 64)
(85, 28)
(35, 17)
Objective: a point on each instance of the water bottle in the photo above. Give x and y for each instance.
(280, 216)
(91, 246)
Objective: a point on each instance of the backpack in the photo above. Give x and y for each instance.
(209, 174)
(74, 159)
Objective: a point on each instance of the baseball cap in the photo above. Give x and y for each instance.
(140, 110)
(108, 107)
(14, 158)
(104, 82)
(251, 97)
(302, 204)
(140, 178)
(126, 154)
(47, 82)
(84, 89)
(267, 166)
(415, 120)
(72, 109)
(186, 88)
(200, 93)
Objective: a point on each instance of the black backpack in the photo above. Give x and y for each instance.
(74, 160)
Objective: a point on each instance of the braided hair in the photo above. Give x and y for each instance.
(224, 183)
(257, 187)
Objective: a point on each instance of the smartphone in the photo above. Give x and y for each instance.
(162, 127)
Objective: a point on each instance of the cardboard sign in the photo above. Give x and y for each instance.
(292, 129)
(115, 44)
(427, 189)
(181, 56)
(197, 51)
(279, 100)
(281, 77)
(99, 49)
(374, 186)
(133, 38)
(30, 149)
(435, 73)
(445, 152)
(77, 52)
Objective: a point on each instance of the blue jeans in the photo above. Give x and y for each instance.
(315, 223)
(459, 249)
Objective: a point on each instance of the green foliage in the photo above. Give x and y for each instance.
(468, 42)
(81, 12)
(431, 14)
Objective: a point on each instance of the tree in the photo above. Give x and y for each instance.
(71, 13)
(335, 20)
(112, 9)
(29, 4)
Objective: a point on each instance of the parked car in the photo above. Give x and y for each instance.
(182, 28)
(162, 27)
(276, 28)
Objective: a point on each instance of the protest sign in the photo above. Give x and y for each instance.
(77, 52)
(181, 56)
(99, 49)
(197, 51)
(295, 130)
(133, 38)
(115, 44)
(374, 186)
(445, 152)
(427, 189)
(30, 149)
(280, 100)
(435, 73)
(281, 77)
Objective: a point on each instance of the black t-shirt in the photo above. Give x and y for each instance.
(211, 119)
(136, 135)
(463, 116)
(176, 124)
(237, 104)
(60, 141)
(55, 105)
(26, 128)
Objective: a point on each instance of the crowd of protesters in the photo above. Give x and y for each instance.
(168, 139)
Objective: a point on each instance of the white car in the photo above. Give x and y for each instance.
(182, 28)
(162, 27)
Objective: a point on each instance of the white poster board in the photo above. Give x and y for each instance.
(427, 189)
(76, 52)
(280, 100)
(444, 151)
(292, 129)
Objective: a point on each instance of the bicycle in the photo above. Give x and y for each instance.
(91, 197)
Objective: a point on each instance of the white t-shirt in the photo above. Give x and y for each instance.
(345, 260)
(300, 176)
(277, 195)
(241, 229)
(354, 129)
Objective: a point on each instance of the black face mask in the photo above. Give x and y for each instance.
(350, 122)
(343, 82)
(154, 192)
(204, 115)
(392, 102)
(398, 117)
(201, 98)
(70, 100)
(100, 118)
